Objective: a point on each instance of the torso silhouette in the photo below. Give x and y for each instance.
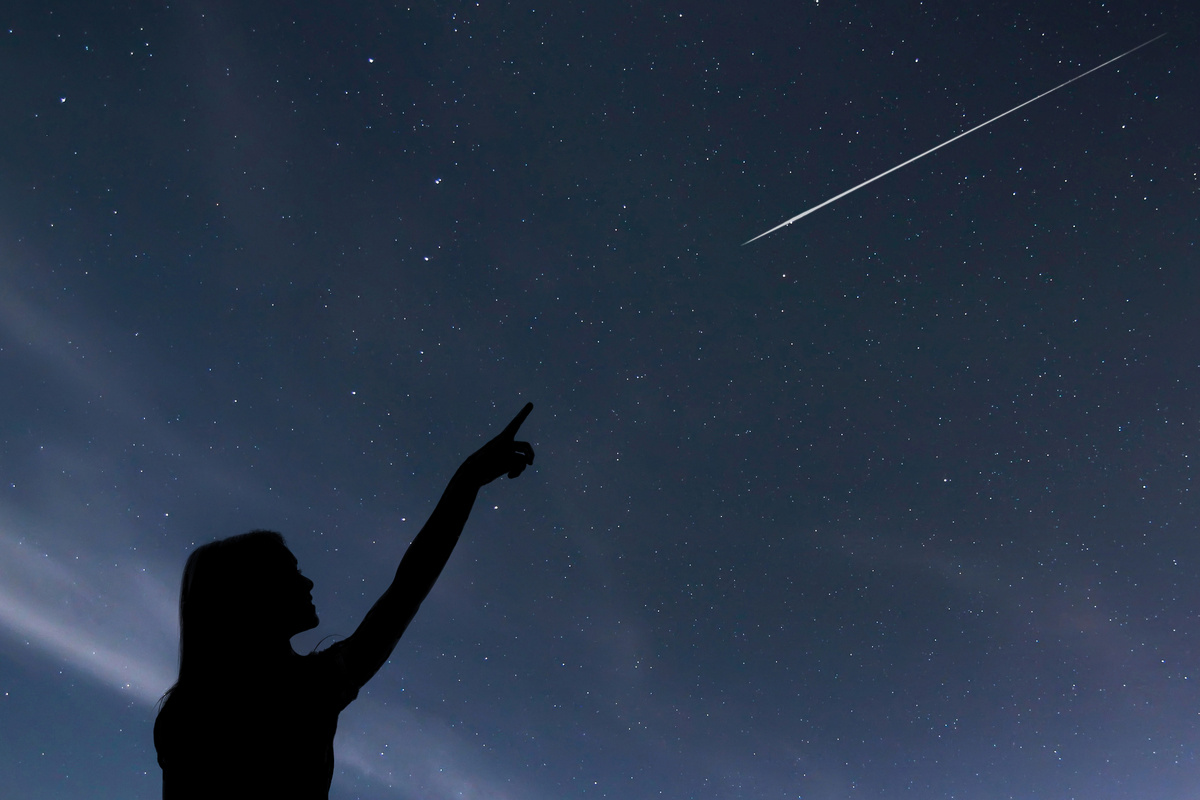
(270, 737)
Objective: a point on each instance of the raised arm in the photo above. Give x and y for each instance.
(371, 645)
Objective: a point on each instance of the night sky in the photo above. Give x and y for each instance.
(897, 502)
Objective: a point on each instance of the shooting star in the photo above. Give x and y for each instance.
(948, 141)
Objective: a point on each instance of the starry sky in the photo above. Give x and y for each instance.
(899, 501)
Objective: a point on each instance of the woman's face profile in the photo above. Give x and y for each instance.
(290, 596)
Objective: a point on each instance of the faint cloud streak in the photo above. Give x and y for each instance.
(416, 757)
(96, 624)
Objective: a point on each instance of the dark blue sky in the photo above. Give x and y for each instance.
(896, 502)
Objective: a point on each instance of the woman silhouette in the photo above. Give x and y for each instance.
(248, 717)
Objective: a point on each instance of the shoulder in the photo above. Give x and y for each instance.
(329, 673)
(163, 726)
(166, 722)
(176, 729)
(327, 658)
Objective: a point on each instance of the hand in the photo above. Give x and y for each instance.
(501, 455)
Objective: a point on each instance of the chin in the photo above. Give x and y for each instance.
(307, 624)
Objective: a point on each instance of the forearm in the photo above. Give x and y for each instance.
(419, 569)
(370, 645)
(428, 553)
(430, 550)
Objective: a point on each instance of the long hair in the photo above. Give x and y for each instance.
(225, 588)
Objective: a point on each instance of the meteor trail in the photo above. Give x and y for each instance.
(948, 141)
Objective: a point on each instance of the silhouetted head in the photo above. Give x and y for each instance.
(241, 598)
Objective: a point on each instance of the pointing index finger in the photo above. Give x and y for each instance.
(510, 431)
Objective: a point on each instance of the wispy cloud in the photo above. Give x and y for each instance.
(114, 623)
(417, 756)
